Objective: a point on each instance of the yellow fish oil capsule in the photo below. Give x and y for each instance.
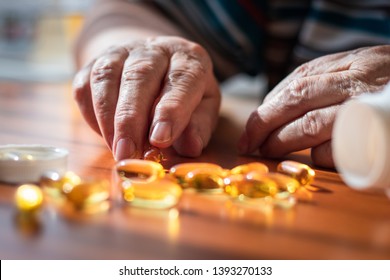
(28, 198)
(55, 185)
(284, 182)
(89, 194)
(284, 200)
(159, 194)
(28, 224)
(252, 166)
(139, 170)
(238, 184)
(154, 154)
(299, 171)
(207, 180)
(180, 170)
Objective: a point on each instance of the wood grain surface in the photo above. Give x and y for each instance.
(338, 223)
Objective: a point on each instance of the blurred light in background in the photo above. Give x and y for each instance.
(36, 38)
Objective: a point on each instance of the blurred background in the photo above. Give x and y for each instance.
(36, 38)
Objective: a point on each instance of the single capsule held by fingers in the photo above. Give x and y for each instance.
(139, 170)
(284, 182)
(159, 194)
(28, 198)
(180, 170)
(154, 154)
(252, 166)
(89, 193)
(239, 184)
(299, 171)
(206, 180)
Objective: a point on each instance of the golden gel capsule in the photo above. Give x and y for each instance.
(159, 194)
(284, 200)
(28, 198)
(180, 170)
(210, 180)
(252, 166)
(28, 224)
(55, 185)
(239, 184)
(154, 154)
(284, 182)
(299, 171)
(139, 170)
(89, 193)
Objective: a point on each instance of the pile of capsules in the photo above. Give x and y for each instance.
(145, 183)
(68, 191)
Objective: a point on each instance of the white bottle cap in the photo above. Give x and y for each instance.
(27, 163)
(361, 141)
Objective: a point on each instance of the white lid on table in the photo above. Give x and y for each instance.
(27, 163)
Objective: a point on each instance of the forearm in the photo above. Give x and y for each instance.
(115, 22)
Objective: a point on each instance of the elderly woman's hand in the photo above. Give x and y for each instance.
(161, 90)
(300, 111)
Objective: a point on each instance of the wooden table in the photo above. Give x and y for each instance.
(338, 223)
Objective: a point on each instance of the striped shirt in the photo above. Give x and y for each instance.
(275, 36)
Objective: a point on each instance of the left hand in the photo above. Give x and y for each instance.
(299, 112)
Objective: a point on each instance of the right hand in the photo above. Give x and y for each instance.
(160, 90)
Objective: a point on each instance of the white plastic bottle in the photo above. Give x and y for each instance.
(361, 141)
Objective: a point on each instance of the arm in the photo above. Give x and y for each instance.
(112, 22)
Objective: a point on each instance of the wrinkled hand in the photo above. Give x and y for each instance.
(160, 90)
(299, 112)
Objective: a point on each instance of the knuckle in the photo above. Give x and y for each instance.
(137, 72)
(303, 70)
(197, 49)
(184, 77)
(299, 93)
(200, 58)
(189, 72)
(104, 70)
(296, 86)
(311, 125)
(352, 86)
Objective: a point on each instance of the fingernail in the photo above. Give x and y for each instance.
(243, 144)
(162, 133)
(125, 148)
